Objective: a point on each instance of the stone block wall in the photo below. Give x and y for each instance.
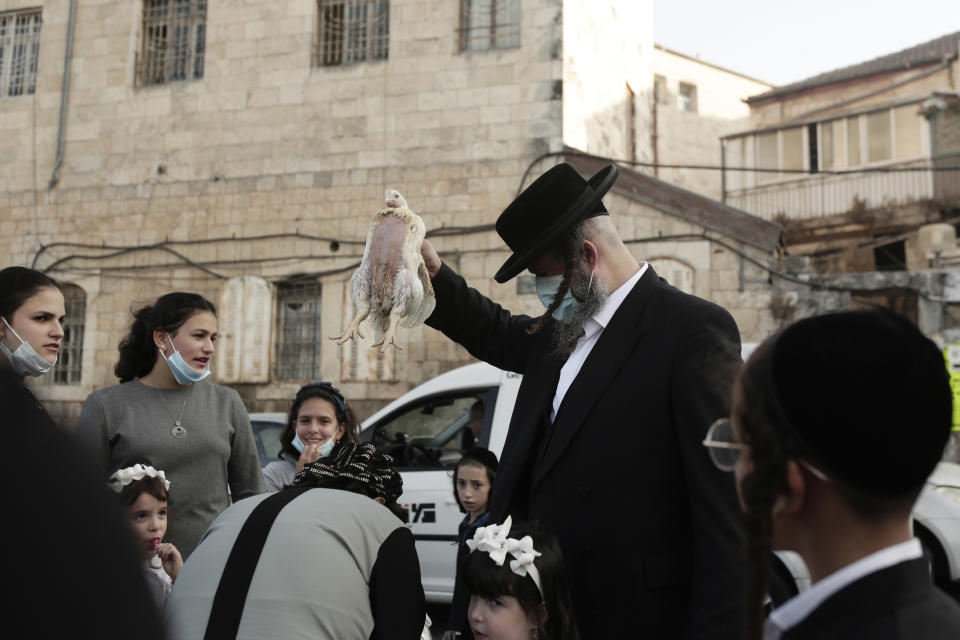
(230, 168)
(607, 52)
(270, 167)
(852, 95)
(693, 137)
(261, 108)
(719, 272)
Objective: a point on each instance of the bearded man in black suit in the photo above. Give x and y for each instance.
(622, 377)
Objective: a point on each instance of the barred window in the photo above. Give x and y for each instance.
(19, 50)
(489, 24)
(173, 36)
(350, 31)
(298, 337)
(70, 358)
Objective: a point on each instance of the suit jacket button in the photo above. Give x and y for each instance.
(583, 490)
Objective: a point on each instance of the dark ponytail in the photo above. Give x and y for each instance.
(771, 446)
(138, 353)
(17, 284)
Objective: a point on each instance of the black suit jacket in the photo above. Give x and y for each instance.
(896, 603)
(648, 526)
(72, 560)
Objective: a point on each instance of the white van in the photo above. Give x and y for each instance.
(426, 429)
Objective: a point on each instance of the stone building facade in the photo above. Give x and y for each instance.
(238, 149)
(693, 105)
(852, 159)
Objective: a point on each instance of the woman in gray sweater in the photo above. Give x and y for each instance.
(166, 412)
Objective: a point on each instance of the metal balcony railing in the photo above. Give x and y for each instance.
(814, 195)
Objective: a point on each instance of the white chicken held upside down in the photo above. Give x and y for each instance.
(391, 284)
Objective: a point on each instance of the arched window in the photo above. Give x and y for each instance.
(70, 360)
(298, 330)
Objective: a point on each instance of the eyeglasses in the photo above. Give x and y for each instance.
(723, 449)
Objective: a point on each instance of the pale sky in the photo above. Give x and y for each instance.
(781, 42)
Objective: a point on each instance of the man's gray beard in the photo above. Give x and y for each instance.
(592, 297)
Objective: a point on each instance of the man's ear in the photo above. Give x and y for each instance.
(591, 254)
(791, 501)
(380, 500)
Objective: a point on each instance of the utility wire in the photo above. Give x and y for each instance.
(119, 250)
(717, 167)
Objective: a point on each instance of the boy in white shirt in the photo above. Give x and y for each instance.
(837, 421)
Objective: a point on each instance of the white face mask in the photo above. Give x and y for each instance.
(24, 359)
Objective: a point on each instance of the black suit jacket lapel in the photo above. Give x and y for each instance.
(872, 595)
(536, 392)
(614, 347)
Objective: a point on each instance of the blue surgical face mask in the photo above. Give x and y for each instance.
(297, 443)
(24, 359)
(547, 287)
(184, 373)
(325, 448)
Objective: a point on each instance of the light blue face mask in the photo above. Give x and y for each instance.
(325, 448)
(547, 287)
(184, 373)
(25, 360)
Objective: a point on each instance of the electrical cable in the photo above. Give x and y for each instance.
(813, 284)
(119, 250)
(716, 167)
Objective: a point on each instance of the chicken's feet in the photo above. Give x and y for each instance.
(389, 338)
(352, 333)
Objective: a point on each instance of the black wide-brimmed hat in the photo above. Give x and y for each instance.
(868, 395)
(548, 209)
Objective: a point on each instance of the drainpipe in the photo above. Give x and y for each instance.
(65, 89)
(654, 134)
(723, 170)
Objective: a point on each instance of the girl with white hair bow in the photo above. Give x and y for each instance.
(518, 586)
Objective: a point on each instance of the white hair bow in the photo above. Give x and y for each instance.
(122, 477)
(493, 540)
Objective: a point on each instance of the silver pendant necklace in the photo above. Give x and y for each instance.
(178, 432)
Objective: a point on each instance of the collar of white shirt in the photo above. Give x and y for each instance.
(592, 328)
(602, 317)
(796, 609)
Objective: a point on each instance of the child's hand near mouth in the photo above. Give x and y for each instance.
(170, 557)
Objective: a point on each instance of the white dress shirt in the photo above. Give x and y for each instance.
(592, 329)
(796, 609)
